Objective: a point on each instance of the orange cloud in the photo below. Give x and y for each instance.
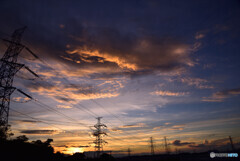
(71, 94)
(63, 106)
(122, 63)
(199, 36)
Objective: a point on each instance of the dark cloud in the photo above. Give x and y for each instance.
(129, 51)
(82, 89)
(36, 86)
(198, 146)
(81, 146)
(64, 146)
(229, 92)
(220, 141)
(179, 143)
(221, 95)
(38, 131)
(64, 99)
(119, 52)
(29, 121)
(133, 126)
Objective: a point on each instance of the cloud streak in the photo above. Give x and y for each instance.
(222, 95)
(132, 126)
(168, 93)
(72, 93)
(179, 143)
(39, 132)
(197, 82)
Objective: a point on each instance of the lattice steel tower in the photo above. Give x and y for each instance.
(167, 149)
(152, 145)
(99, 133)
(8, 68)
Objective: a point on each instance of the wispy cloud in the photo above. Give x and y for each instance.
(167, 127)
(63, 106)
(201, 34)
(115, 130)
(222, 95)
(71, 93)
(133, 126)
(197, 82)
(168, 93)
(216, 143)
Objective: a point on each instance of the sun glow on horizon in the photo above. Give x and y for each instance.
(73, 150)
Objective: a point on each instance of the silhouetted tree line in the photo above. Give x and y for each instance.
(20, 149)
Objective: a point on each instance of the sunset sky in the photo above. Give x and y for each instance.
(150, 68)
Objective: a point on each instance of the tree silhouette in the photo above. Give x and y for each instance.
(78, 156)
(5, 132)
(106, 157)
(22, 138)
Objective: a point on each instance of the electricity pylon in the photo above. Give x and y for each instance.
(99, 133)
(8, 68)
(152, 146)
(129, 152)
(231, 142)
(167, 149)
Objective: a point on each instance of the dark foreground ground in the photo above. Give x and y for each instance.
(179, 157)
(20, 150)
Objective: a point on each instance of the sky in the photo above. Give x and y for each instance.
(150, 68)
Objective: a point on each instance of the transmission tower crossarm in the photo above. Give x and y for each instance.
(31, 71)
(12, 42)
(30, 51)
(24, 93)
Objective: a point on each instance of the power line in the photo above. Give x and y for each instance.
(107, 110)
(66, 80)
(49, 120)
(59, 113)
(49, 108)
(40, 120)
(82, 107)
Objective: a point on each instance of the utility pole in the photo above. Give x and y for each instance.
(231, 142)
(167, 150)
(129, 152)
(99, 133)
(8, 68)
(152, 146)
